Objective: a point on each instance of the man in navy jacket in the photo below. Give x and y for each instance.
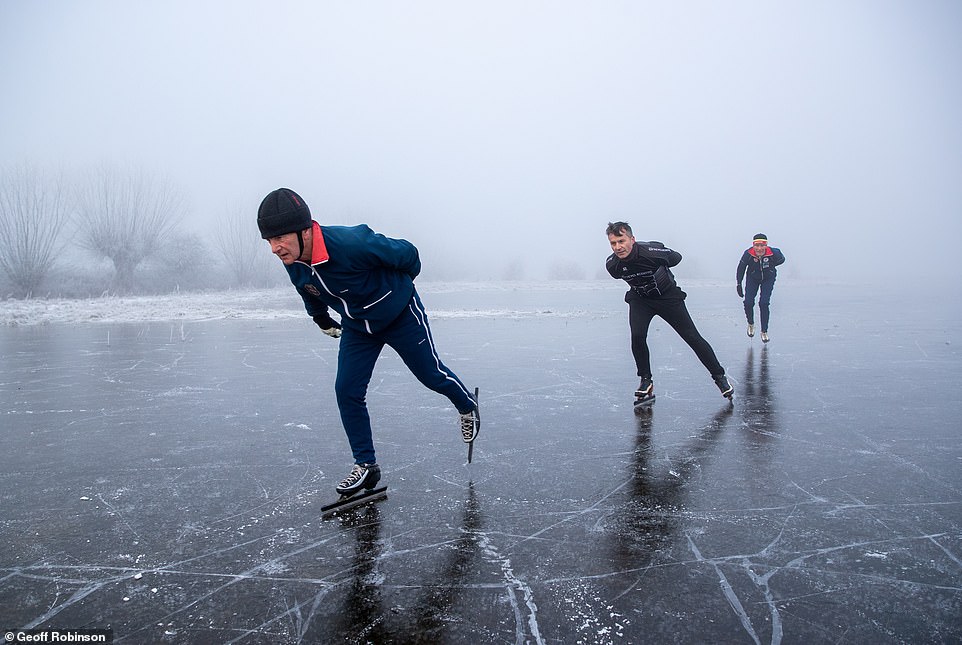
(368, 279)
(757, 266)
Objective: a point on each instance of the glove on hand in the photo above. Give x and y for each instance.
(328, 325)
(741, 293)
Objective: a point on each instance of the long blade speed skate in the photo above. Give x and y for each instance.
(353, 501)
(477, 424)
(644, 395)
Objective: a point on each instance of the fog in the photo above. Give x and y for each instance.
(501, 137)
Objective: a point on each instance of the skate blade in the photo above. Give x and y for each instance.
(478, 426)
(644, 403)
(353, 501)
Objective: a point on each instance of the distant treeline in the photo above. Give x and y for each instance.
(124, 231)
(117, 231)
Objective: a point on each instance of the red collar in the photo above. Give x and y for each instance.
(768, 251)
(319, 248)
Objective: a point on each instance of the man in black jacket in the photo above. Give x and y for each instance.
(653, 292)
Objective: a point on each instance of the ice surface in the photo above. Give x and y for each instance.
(167, 460)
(506, 299)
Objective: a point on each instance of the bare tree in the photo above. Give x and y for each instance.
(33, 212)
(514, 270)
(566, 269)
(239, 242)
(127, 217)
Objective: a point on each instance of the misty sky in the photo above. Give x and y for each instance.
(498, 132)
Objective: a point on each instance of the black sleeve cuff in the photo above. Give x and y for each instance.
(324, 321)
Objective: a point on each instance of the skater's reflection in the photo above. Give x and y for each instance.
(646, 525)
(432, 614)
(363, 612)
(758, 406)
(755, 387)
(363, 617)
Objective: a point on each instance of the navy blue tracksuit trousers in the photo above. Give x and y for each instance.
(410, 336)
(752, 286)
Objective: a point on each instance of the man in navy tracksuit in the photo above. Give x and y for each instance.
(757, 266)
(654, 292)
(368, 279)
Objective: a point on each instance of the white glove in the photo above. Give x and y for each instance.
(333, 332)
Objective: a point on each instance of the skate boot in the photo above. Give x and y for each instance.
(751, 330)
(724, 386)
(363, 476)
(765, 337)
(470, 425)
(645, 394)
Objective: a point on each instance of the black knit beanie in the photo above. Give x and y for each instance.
(760, 236)
(282, 211)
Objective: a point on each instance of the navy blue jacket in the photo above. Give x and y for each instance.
(759, 269)
(646, 271)
(364, 276)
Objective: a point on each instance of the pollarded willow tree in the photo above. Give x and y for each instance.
(127, 216)
(33, 213)
(238, 241)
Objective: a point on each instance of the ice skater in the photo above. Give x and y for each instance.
(757, 266)
(368, 279)
(654, 292)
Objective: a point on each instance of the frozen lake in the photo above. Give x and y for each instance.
(164, 479)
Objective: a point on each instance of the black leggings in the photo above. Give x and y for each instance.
(674, 312)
